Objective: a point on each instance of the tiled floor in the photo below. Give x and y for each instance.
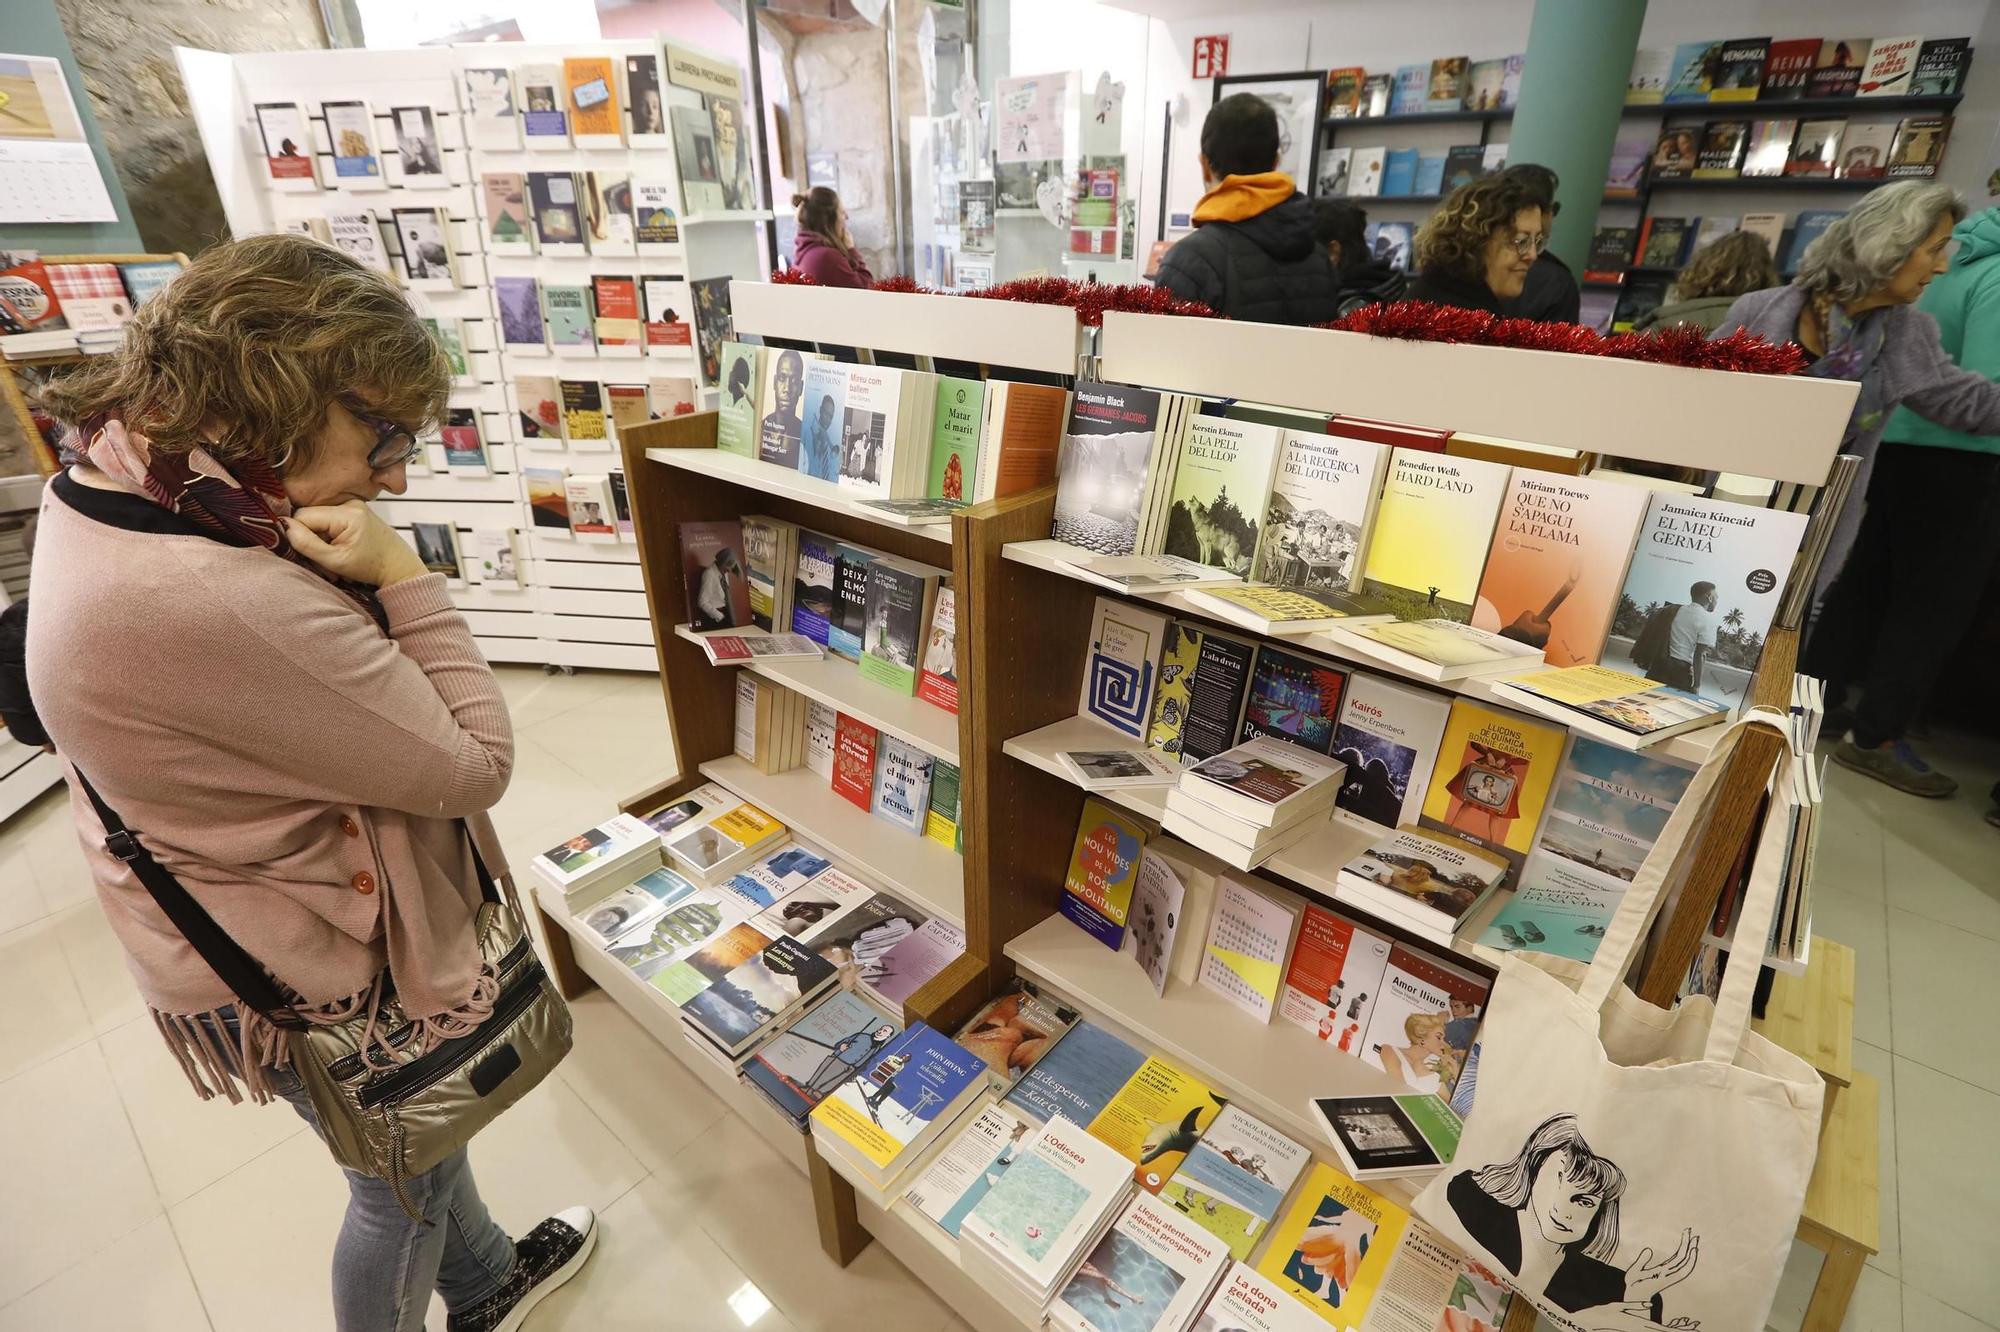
(128, 1204)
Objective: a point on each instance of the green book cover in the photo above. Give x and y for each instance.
(941, 823)
(736, 415)
(895, 607)
(955, 438)
(1220, 490)
(1180, 651)
(568, 311)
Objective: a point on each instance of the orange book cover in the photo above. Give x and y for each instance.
(1031, 433)
(1557, 561)
(592, 93)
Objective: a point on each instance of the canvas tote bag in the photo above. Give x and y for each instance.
(1627, 1166)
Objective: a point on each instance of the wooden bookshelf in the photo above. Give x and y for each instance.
(784, 483)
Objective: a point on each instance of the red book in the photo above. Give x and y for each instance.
(28, 301)
(1787, 68)
(854, 744)
(1388, 432)
(617, 311)
(938, 684)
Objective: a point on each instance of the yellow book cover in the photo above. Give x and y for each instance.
(1334, 1247)
(1275, 603)
(1431, 533)
(1180, 653)
(1580, 686)
(747, 824)
(592, 95)
(1155, 1120)
(1493, 773)
(852, 1125)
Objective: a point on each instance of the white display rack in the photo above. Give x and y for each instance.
(923, 873)
(538, 624)
(1693, 746)
(791, 484)
(998, 333)
(837, 682)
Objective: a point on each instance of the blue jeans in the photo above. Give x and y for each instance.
(385, 1265)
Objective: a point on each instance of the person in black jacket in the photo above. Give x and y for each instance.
(1342, 227)
(1551, 292)
(1476, 249)
(1253, 254)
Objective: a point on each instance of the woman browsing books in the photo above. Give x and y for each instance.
(823, 248)
(1475, 250)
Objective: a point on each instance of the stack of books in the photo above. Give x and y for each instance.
(1428, 883)
(1248, 803)
(711, 834)
(1154, 1263)
(822, 1048)
(614, 853)
(749, 1004)
(1052, 1206)
(873, 1126)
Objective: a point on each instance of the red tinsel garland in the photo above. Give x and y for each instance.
(1090, 300)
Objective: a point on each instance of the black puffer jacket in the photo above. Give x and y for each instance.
(1369, 283)
(1267, 269)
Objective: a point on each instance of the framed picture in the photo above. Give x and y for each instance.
(1296, 98)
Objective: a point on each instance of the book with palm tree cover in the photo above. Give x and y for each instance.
(1556, 563)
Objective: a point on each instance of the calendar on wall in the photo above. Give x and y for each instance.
(48, 172)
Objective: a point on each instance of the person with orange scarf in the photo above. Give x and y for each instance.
(1253, 254)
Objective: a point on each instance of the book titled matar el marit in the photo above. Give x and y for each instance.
(1491, 783)
(1609, 807)
(1387, 735)
(1220, 486)
(955, 428)
(1703, 587)
(1432, 532)
(1121, 666)
(1557, 560)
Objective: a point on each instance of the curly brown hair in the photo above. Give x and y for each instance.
(244, 352)
(1728, 266)
(1453, 239)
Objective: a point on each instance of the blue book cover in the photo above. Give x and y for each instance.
(1399, 172)
(744, 1000)
(1430, 175)
(1412, 86)
(826, 1047)
(1079, 1077)
(1812, 223)
(812, 586)
(779, 875)
(902, 784)
(826, 400)
(850, 599)
(1692, 75)
(917, 1077)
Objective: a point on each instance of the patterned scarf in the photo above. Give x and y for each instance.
(246, 507)
(1852, 346)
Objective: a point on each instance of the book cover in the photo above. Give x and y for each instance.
(1720, 156)
(1390, 1135)
(1557, 562)
(1940, 68)
(1610, 254)
(1429, 178)
(359, 237)
(1891, 62)
(1375, 92)
(694, 158)
(1180, 651)
(1121, 667)
(854, 750)
(718, 593)
(351, 130)
(617, 302)
(1343, 92)
(746, 999)
(1220, 492)
(1482, 85)
(1652, 67)
(1268, 772)
(1630, 703)
(701, 967)
(1294, 698)
(1787, 67)
(1696, 67)
(1812, 224)
(558, 217)
(955, 438)
(821, 431)
(583, 413)
(827, 1046)
(1334, 1246)
(704, 845)
(1815, 148)
(427, 254)
(1676, 153)
(1406, 97)
(896, 608)
(1918, 146)
(736, 406)
(655, 216)
(464, 448)
(937, 685)
(590, 86)
(1769, 227)
(1322, 494)
(636, 907)
(1053, 1198)
(1629, 154)
(895, 1099)
(1432, 532)
(1492, 779)
(869, 428)
(1247, 1302)
(492, 119)
(495, 557)
(288, 145)
(437, 547)
(548, 502)
(544, 124)
(902, 794)
(1366, 178)
(1445, 90)
(850, 601)
(1661, 241)
(1333, 978)
(1103, 866)
(1077, 1078)
(772, 880)
(1837, 72)
(1103, 474)
(942, 819)
(1704, 584)
(812, 587)
(1770, 147)
(908, 966)
(671, 395)
(607, 212)
(1022, 440)
(1150, 1272)
(1388, 737)
(1609, 807)
(1015, 1030)
(1399, 172)
(520, 302)
(567, 309)
(1864, 150)
(1422, 876)
(860, 936)
(1422, 1029)
(643, 95)
(802, 910)
(1741, 72)
(417, 146)
(683, 929)
(1249, 938)
(780, 407)
(1235, 1179)
(970, 1166)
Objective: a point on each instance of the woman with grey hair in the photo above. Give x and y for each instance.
(1852, 309)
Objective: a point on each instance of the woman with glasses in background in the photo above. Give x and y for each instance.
(1476, 249)
(266, 684)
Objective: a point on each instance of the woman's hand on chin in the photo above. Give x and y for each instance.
(351, 540)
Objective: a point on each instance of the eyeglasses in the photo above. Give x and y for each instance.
(1528, 245)
(395, 444)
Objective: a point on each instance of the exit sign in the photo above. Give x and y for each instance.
(1211, 57)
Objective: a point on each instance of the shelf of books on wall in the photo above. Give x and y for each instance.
(542, 240)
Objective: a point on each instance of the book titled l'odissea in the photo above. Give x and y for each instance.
(1057, 1194)
(1103, 865)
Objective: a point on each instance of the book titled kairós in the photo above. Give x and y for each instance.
(1387, 736)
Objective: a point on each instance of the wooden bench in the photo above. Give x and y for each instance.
(1813, 1015)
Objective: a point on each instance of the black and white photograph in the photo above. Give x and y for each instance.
(417, 145)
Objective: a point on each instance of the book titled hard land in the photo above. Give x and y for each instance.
(1105, 468)
(961, 408)
(1103, 865)
(1428, 883)
(1389, 1137)
(1556, 563)
(1121, 666)
(1333, 1248)
(1220, 490)
(1149, 1248)
(897, 606)
(1387, 737)
(1492, 778)
(1432, 533)
(1701, 592)
(1235, 1179)
(1609, 807)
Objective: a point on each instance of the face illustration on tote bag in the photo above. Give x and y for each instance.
(1549, 1216)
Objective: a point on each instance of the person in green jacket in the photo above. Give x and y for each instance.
(1928, 543)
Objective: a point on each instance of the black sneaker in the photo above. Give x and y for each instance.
(544, 1258)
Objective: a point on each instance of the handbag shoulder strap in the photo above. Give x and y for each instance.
(225, 957)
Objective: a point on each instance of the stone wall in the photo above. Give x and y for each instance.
(126, 49)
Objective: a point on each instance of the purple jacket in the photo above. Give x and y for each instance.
(827, 264)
